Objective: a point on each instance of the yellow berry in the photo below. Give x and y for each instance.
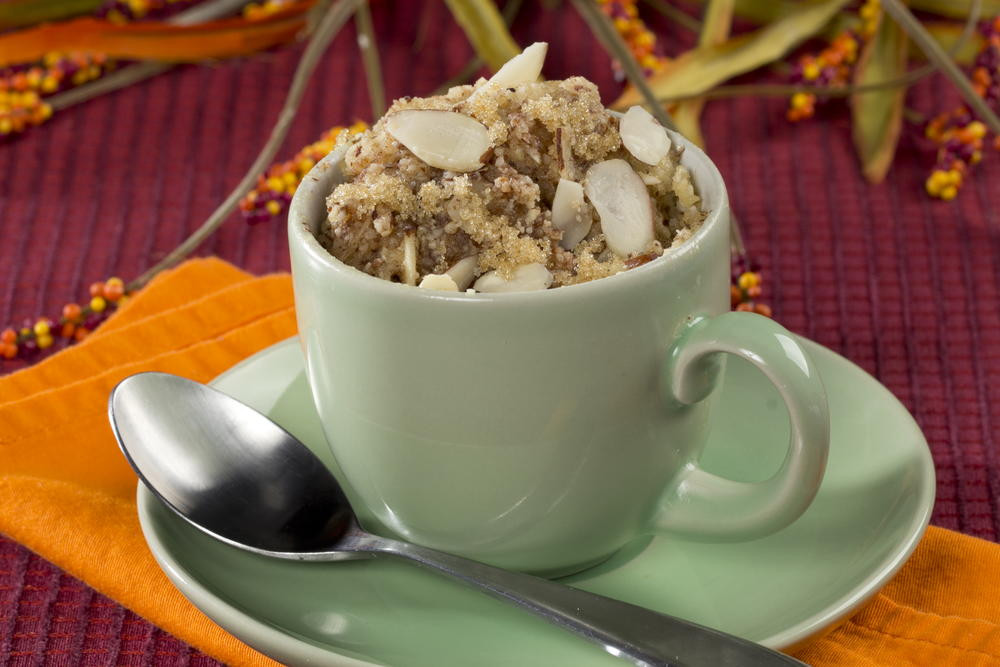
(290, 178)
(42, 328)
(275, 184)
(748, 280)
(954, 177)
(810, 71)
(98, 304)
(305, 164)
(44, 341)
(949, 192)
(976, 157)
(273, 207)
(932, 187)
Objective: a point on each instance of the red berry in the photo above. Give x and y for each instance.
(71, 312)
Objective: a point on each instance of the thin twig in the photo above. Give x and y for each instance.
(108, 83)
(936, 55)
(369, 56)
(132, 74)
(327, 29)
(678, 16)
(462, 77)
(509, 13)
(613, 42)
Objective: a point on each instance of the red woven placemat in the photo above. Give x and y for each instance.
(904, 286)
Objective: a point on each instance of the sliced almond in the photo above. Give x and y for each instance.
(444, 139)
(463, 271)
(439, 281)
(410, 259)
(643, 136)
(569, 213)
(525, 67)
(526, 278)
(623, 203)
(564, 154)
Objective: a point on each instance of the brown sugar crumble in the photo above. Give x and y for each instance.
(555, 198)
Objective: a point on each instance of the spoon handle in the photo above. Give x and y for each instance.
(642, 636)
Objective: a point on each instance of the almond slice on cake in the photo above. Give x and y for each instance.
(622, 202)
(444, 139)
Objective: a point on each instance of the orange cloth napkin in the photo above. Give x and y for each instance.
(67, 493)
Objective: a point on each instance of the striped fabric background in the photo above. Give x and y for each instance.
(905, 286)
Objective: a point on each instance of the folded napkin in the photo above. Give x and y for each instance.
(67, 493)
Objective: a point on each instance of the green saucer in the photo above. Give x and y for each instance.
(781, 590)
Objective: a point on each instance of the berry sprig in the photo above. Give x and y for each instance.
(747, 287)
(277, 185)
(73, 325)
(834, 65)
(959, 136)
(640, 40)
(22, 87)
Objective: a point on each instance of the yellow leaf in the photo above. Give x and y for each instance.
(715, 28)
(877, 116)
(700, 69)
(486, 30)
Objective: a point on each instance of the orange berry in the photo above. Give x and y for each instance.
(746, 307)
(754, 292)
(8, 336)
(96, 289)
(68, 329)
(71, 312)
(735, 295)
(762, 309)
(80, 334)
(9, 350)
(114, 288)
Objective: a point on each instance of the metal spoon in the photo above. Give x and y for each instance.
(241, 478)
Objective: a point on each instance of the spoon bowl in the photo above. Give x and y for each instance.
(236, 475)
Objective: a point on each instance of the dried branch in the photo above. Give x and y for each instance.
(331, 23)
(616, 47)
(369, 56)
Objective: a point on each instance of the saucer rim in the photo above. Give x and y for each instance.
(278, 642)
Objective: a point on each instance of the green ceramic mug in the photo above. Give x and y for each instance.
(542, 431)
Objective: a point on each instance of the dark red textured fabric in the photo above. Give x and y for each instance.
(905, 286)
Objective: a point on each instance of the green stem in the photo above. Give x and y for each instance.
(328, 27)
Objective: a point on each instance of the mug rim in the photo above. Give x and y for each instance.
(312, 186)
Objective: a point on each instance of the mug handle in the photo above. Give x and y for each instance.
(705, 505)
